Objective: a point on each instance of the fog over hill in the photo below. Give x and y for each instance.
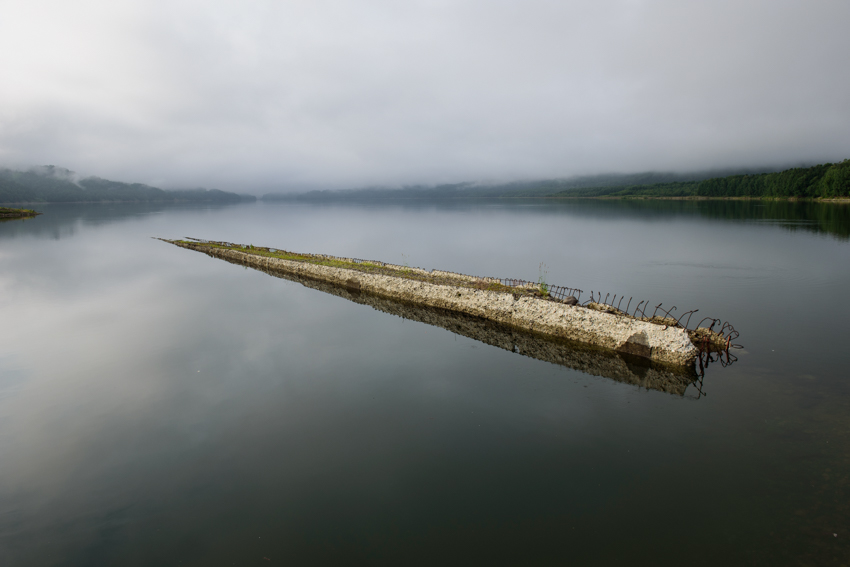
(818, 181)
(49, 184)
(304, 95)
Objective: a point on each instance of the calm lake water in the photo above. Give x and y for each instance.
(161, 407)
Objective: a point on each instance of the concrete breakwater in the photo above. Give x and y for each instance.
(485, 298)
(596, 361)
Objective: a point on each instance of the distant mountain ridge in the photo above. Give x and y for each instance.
(536, 188)
(49, 184)
(818, 181)
(824, 181)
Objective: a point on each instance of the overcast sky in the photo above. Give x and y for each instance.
(259, 95)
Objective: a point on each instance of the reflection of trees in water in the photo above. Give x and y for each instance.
(617, 366)
(810, 216)
(820, 217)
(10, 219)
(829, 218)
(62, 220)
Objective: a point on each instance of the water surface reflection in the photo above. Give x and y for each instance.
(157, 407)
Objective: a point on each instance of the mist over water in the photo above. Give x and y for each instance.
(159, 406)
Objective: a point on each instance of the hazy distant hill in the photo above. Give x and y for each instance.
(491, 190)
(819, 181)
(49, 184)
(825, 181)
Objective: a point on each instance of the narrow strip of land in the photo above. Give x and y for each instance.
(7, 213)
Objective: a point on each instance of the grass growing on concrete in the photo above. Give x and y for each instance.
(378, 268)
(702, 338)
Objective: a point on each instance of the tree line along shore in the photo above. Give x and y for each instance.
(829, 181)
(824, 182)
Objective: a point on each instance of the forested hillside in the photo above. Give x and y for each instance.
(56, 185)
(825, 181)
(817, 182)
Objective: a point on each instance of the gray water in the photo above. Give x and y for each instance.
(161, 407)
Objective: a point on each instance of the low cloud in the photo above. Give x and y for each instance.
(325, 93)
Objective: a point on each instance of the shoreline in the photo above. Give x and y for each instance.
(842, 200)
(297, 199)
(12, 213)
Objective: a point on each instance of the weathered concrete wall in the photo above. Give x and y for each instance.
(665, 344)
(591, 360)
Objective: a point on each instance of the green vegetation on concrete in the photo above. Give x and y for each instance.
(51, 184)
(377, 268)
(705, 338)
(541, 280)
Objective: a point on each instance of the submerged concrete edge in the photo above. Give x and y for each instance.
(588, 359)
(670, 345)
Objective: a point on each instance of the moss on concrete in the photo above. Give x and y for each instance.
(523, 307)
